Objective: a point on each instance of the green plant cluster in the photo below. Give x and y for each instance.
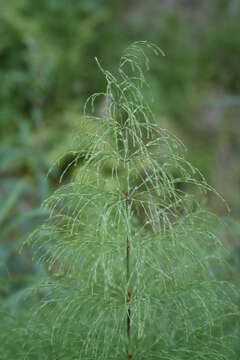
(134, 263)
(47, 70)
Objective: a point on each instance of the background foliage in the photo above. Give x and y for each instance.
(47, 70)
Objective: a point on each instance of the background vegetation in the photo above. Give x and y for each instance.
(47, 70)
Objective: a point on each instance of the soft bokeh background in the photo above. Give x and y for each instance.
(47, 71)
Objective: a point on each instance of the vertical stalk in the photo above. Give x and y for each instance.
(129, 353)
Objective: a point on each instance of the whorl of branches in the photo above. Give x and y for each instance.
(130, 190)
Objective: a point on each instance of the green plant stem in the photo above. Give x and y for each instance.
(129, 353)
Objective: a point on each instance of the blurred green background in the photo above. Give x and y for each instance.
(47, 71)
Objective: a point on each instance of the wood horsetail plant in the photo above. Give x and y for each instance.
(135, 265)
